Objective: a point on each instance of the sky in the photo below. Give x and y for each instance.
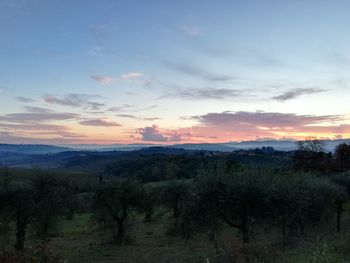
(165, 72)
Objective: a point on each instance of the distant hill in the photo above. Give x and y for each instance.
(96, 157)
(279, 145)
(221, 147)
(32, 148)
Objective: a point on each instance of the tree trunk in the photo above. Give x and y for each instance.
(148, 214)
(120, 232)
(20, 234)
(245, 234)
(339, 214)
(283, 225)
(244, 226)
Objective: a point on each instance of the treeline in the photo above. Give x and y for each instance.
(219, 196)
(311, 156)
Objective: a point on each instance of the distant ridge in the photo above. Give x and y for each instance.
(32, 148)
(280, 145)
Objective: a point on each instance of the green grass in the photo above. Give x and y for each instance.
(79, 240)
(149, 243)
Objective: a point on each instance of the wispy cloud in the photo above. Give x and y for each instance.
(36, 124)
(263, 119)
(205, 93)
(103, 80)
(75, 100)
(132, 75)
(294, 93)
(122, 108)
(25, 99)
(99, 122)
(151, 118)
(197, 72)
(38, 115)
(127, 116)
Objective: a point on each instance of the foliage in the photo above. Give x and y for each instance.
(113, 204)
(52, 198)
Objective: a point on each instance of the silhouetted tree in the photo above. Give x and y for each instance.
(174, 196)
(113, 204)
(236, 199)
(19, 206)
(342, 156)
(311, 156)
(150, 196)
(51, 201)
(343, 181)
(300, 200)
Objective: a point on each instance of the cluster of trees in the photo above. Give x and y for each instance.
(219, 197)
(37, 205)
(311, 156)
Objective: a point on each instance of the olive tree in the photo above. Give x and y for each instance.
(237, 199)
(51, 201)
(342, 180)
(113, 204)
(174, 196)
(18, 205)
(299, 200)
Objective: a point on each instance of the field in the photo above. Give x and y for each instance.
(79, 241)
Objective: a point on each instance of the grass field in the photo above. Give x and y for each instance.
(78, 240)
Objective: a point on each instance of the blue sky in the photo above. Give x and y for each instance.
(173, 71)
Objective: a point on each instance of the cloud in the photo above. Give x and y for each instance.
(190, 30)
(244, 125)
(37, 109)
(38, 115)
(37, 137)
(103, 80)
(35, 125)
(263, 119)
(132, 76)
(91, 105)
(151, 118)
(153, 134)
(75, 100)
(126, 116)
(205, 93)
(294, 93)
(25, 99)
(99, 122)
(123, 108)
(198, 72)
(130, 116)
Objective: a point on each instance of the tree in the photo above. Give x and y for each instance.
(19, 206)
(343, 181)
(302, 199)
(342, 156)
(149, 201)
(113, 204)
(311, 145)
(51, 201)
(174, 196)
(234, 198)
(311, 156)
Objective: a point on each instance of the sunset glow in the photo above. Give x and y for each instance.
(167, 72)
